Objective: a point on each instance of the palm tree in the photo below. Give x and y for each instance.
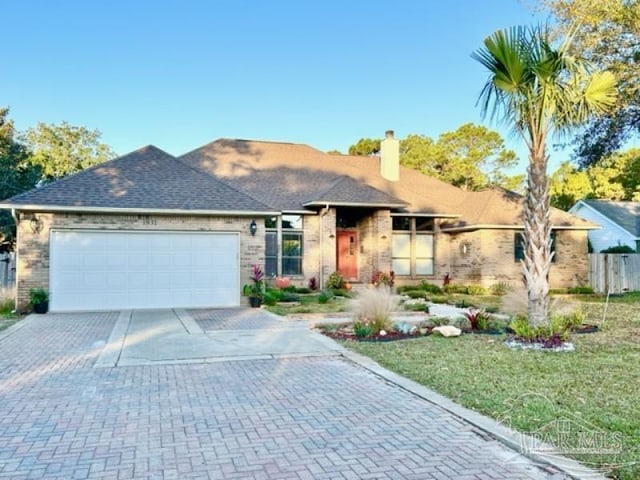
(539, 90)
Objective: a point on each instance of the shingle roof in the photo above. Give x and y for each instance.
(148, 178)
(625, 214)
(496, 206)
(288, 176)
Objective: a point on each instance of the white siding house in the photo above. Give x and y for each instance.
(619, 222)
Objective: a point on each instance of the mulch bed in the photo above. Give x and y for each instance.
(389, 337)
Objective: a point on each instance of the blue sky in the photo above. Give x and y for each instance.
(178, 74)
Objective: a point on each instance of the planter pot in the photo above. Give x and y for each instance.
(255, 302)
(41, 307)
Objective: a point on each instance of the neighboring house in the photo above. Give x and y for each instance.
(151, 230)
(619, 222)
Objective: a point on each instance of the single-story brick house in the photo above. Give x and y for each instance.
(150, 230)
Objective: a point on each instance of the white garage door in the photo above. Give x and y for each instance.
(99, 270)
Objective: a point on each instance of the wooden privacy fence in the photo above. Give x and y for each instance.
(614, 272)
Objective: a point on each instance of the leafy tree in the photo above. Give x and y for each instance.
(539, 89)
(568, 185)
(16, 174)
(365, 147)
(334, 152)
(607, 33)
(64, 149)
(472, 157)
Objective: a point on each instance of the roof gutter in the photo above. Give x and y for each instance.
(323, 203)
(129, 211)
(467, 228)
(425, 215)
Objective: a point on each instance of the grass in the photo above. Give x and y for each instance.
(7, 306)
(595, 387)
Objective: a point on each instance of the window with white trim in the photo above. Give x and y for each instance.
(286, 260)
(412, 246)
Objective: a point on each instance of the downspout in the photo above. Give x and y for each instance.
(16, 219)
(323, 213)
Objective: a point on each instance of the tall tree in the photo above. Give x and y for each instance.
(568, 185)
(64, 149)
(472, 157)
(16, 174)
(539, 89)
(607, 33)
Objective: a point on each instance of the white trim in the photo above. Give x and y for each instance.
(426, 215)
(512, 227)
(136, 211)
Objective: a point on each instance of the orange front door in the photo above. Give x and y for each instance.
(347, 250)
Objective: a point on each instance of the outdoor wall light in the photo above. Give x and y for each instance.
(253, 228)
(36, 224)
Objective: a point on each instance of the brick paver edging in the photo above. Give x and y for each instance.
(500, 432)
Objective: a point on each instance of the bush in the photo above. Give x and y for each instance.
(313, 284)
(415, 307)
(335, 281)
(580, 290)
(289, 297)
(478, 319)
(456, 288)
(302, 290)
(415, 293)
(271, 298)
(275, 293)
(362, 330)
(374, 307)
(325, 296)
(38, 296)
(430, 287)
(618, 249)
(341, 292)
(476, 290)
(499, 288)
(438, 298)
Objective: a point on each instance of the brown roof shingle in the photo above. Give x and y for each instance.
(148, 178)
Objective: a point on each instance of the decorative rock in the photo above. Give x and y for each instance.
(413, 331)
(448, 331)
(383, 333)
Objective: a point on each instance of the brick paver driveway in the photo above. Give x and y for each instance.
(302, 418)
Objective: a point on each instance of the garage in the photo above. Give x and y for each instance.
(112, 270)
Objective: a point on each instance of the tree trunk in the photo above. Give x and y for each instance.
(537, 240)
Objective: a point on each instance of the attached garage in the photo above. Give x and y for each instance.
(110, 270)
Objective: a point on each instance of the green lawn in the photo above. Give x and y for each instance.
(596, 386)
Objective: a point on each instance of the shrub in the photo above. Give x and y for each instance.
(313, 284)
(382, 278)
(499, 288)
(271, 298)
(618, 249)
(275, 293)
(430, 287)
(585, 289)
(335, 281)
(374, 307)
(289, 297)
(456, 288)
(478, 319)
(362, 330)
(491, 309)
(302, 290)
(325, 296)
(415, 293)
(341, 292)
(416, 307)
(38, 296)
(438, 298)
(476, 290)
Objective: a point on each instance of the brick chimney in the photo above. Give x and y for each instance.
(390, 157)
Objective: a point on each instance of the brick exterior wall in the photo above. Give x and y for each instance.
(33, 249)
(486, 257)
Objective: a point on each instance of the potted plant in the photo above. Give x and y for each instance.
(39, 300)
(255, 291)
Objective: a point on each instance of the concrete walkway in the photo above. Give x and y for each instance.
(302, 412)
(145, 337)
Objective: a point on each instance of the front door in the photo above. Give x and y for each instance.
(347, 250)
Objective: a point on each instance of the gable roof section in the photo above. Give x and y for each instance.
(499, 207)
(147, 179)
(288, 176)
(625, 214)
